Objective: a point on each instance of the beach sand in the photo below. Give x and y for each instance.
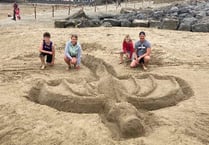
(179, 61)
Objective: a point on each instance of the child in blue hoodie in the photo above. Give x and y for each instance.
(73, 52)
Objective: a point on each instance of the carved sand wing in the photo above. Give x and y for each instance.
(118, 99)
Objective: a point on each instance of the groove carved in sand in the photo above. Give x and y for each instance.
(119, 99)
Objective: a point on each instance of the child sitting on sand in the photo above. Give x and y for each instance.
(73, 52)
(47, 49)
(128, 48)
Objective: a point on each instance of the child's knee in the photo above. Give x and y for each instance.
(74, 61)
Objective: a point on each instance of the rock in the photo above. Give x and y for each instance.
(207, 13)
(72, 23)
(125, 23)
(141, 16)
(59, 23)
(154, 23)
(132, 18)
(183, 15)
(83, 23)
(201, 14)
(79, 14)
(113, 22)
(107, 16)
(127, 10)
(174, 9)
(202, 27)
(95, 23)
(186, 24)
(184, 10)
(140, 23)
(106, 24)
(170, 24)
(174, 14)
(158, 15)
(185, 27)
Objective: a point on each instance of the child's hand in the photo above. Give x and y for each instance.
(127, 55)
(50, 53)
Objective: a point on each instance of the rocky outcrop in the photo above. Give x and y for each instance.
(190, 16)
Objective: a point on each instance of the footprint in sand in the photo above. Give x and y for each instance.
(120, 100)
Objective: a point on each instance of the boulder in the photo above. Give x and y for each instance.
(201, 14)
(171, 24)
(174, 9)
(131, 18)
(113, 22)
(59, 23)
(141, 16)
(72, 23)
(201, 27)
(95, 23)
(140, 23)
(125, 23)
(207, 13)
(107, 16)
(127, 10)
(106, 24)
(154, 23)
(158, 15)
(184, 10)
(77, 15)
(174, 14)
(186, 24)
(83, 23)
(185, 27)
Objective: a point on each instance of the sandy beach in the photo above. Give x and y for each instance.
(179, 60)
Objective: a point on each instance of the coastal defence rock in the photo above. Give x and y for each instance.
(171, 24)
(180, 16)
(186, 24)
(140, 23)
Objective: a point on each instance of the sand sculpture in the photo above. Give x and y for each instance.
(123, 102)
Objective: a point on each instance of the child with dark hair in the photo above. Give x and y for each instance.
(47, 49)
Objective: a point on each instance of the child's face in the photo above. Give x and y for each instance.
(73, 40)
(127, 40)
(47, 39)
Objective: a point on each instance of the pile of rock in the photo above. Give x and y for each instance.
(79, 19)
(192, 16)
